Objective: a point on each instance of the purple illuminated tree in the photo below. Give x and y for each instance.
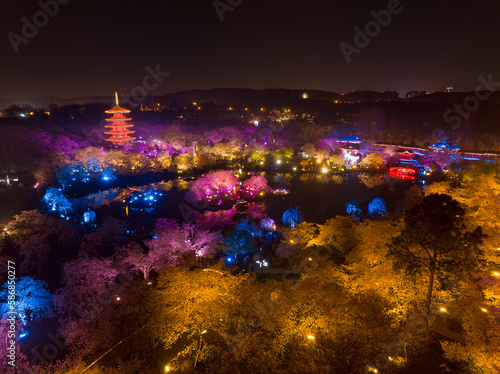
(268, 224)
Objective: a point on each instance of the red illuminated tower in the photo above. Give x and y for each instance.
(120, 129)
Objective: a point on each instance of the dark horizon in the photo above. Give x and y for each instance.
(93, 49)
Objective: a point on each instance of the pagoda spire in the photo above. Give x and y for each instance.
(116, 98)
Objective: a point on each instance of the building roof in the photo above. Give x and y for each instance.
(444, 145)
(117, 109)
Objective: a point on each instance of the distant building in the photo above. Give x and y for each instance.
(445, 145)
(449, 89)
(412, 94)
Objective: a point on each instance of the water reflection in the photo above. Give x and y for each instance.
(371, 180)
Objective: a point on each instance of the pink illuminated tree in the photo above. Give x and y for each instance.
(175, 243)
(85, 283)
(135, 257)
(255, 185)
(213, 188)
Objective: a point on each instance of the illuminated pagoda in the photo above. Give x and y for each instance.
(120, 128)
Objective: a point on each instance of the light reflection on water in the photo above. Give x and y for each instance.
(320, 196)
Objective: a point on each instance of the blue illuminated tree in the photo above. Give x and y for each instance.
(377, 206)
(293, 216)
(245, 226)
(239, 242)
(352, 208)
(57, 201)
(89, 216)
(108, 175)
(32, 300)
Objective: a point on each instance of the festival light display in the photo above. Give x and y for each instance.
(402, 173)
(120, 133)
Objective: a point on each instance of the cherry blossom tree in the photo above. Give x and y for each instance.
(30, 232)
(256, 185)
(175, 243)
(135, 257)
(212, 188)
(85, 285)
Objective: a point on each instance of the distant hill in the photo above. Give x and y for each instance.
(245, 96)
(221, 96)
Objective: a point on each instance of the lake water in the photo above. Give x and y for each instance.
(319, 196)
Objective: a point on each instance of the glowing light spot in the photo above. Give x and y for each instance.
(442, 309)
(311, 337)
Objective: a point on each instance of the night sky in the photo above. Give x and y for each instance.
(95, 47)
